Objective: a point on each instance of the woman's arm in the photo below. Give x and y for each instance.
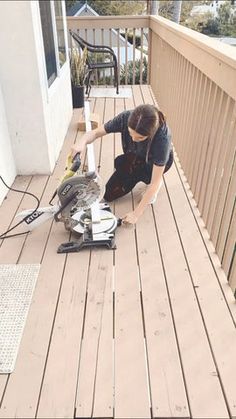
(132, 217)
(87, 138)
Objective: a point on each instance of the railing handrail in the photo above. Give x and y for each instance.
(108, 22)
(215, 60)
(213, 46)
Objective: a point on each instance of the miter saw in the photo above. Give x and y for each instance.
(79, 207)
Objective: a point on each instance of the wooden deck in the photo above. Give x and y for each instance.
(147, 330)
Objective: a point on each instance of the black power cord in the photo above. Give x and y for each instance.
(3, 235)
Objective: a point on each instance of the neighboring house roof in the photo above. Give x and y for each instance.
(81, 8)
(207, 8)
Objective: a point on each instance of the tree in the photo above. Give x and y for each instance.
(227, 19)
(110, 7)
(70, 3)
(177, 11)
(222, 25)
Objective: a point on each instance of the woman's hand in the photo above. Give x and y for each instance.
(78, 149)
(130, 219)
(87, 138)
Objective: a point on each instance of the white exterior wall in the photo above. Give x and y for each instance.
(7, 164)
(38, 116)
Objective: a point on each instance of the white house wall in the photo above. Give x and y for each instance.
(37, 117)
(7, 164)
(56, 100)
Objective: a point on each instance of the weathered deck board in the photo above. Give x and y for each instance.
(21, 400)
(145, 331)
(104, 385)
(220, 329)
(96, 362)
(131, 380)
(168, 392)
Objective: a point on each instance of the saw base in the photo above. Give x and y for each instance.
(84, 241)
(101, 234)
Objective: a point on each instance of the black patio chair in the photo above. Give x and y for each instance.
(95, 49)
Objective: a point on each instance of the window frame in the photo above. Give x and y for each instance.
(59, 70)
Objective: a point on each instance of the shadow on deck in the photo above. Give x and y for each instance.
(147, 330)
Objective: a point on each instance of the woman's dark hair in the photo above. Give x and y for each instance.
(145, 120)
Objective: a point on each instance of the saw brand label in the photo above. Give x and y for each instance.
(65, 190)
(33, 217)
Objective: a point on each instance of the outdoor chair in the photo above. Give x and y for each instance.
(92, 64)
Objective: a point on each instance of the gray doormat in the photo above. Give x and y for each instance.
(17, 284)
(124, 92)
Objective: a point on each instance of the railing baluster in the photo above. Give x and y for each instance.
(126, 56)
(141, 58)
(96, 71)
(102, 35)
(118, 53)
(133, 55)
(110, 44)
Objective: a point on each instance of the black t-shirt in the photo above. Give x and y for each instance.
(161, 143)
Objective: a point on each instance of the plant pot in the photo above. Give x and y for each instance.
(78, 96)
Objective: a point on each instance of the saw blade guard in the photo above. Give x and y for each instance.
(80, 192)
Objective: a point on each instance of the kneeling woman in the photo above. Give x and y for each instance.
(146, 143)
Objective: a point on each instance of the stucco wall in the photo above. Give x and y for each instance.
(38, 116)
(7, 165)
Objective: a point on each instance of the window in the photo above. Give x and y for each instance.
(53, 37)
(60, 32)
(48, 40)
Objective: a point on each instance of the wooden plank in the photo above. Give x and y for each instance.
(104, 385)
(57, 397)
(131, 381)
(11, 248)
(196, 117)
(217, 163)
(179, 127)
(190, 104)
(186, 87)
(232, 277)
(168, 393)
(55, 400)
(10, 204)
(210, 151)
(226, 174)
(205, 132)
(227, 214)
(22, 399)
(99, 284)
(200, 133)
(230, 243)
(58, 388)
(222, 279)
(188, 323)
(220, 328)
(30, 249)
(217, 142)
(96, 378)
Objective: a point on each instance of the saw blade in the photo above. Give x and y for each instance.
(80, 192)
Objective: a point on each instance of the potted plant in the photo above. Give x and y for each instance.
(78, 75)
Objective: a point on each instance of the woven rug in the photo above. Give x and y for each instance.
(17, 284)
(124, 92)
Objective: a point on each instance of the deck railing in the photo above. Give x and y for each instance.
(128, 36)
(193, 78)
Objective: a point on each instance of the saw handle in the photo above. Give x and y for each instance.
(76, 163)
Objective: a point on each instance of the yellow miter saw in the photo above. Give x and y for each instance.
(79, 206)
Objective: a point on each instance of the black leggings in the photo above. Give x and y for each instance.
(130, 170)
